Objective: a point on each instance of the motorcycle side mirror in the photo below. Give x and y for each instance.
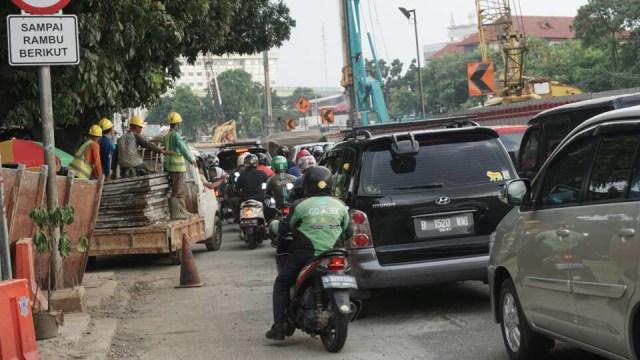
(289, 186)
(264, 186)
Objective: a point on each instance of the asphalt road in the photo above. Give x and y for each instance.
(227, 318)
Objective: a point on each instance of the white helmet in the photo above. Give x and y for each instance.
(213, 160)
(306, 162)
(241, 159)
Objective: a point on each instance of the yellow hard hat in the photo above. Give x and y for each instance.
(105, 124)
(174, 118)
(136, 120)
(95, 130)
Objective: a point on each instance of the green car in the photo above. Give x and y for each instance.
(564, 262)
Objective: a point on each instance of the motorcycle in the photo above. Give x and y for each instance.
(253, 225)
(320, 303)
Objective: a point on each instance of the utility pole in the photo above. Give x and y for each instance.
(48, 144)
(267, 124)
(324, 50)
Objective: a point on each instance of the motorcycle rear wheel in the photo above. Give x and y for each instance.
(335, 337)
(251, 241)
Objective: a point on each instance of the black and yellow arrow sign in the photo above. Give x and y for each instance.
(480, 79)
(327, 116)
(290, 124)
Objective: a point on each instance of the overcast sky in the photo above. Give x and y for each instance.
(302, 58)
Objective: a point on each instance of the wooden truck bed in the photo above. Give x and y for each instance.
(154, 239)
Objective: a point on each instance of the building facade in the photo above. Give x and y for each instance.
(198, 75)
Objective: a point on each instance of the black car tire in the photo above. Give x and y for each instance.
(215, 241)
(519, 339)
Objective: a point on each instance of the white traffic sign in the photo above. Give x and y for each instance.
(43, 40)
(41, 7)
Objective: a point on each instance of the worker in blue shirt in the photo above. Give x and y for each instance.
(106, 149)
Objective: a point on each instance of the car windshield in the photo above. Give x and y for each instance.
(440, 163)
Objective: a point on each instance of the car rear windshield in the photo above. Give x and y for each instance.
(440, 163)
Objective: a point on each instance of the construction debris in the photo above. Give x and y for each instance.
(134, 202)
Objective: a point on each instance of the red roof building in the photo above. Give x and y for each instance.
(550, 28)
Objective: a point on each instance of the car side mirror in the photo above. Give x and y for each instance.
(516, 192)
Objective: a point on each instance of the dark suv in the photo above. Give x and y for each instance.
(549, 127)
(424, 203)
(228, 153)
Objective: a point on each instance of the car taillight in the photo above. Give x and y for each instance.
(361, 230)
(248, 212)
(358, 217)
(336, 264)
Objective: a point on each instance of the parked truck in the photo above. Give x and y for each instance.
(134, 217)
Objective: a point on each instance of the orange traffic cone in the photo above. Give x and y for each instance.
(188, 272)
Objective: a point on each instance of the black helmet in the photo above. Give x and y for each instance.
(251, 160)
(316, 180)
(262, 159)
(283, 151)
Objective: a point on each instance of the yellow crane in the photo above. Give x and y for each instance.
(494, 20)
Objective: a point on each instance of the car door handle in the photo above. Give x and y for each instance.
(563, 232)
(625, 233)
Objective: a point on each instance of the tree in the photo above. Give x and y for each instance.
(241, 97)
(196, 115)
(613, 25)
(129, 50)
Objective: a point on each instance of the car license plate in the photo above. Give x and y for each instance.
(339, 282)
(443, 225)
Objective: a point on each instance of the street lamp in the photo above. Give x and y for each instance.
(407, 14)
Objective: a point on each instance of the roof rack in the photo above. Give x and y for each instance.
(241, 143)
(356, 135)
(464, 119)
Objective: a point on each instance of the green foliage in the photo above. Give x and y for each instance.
(128, 53)
(613, 27)
(47, 221)
(241, 98)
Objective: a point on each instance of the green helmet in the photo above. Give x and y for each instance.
(279, 164)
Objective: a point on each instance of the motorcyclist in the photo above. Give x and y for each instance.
(304, 163)
(317, 153)
(232, 196)
(263, 165)
(291, 166)
(277, 185)
(249, 184)
(317, 222)
(214, 171)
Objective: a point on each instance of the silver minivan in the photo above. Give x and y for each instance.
(564, 262)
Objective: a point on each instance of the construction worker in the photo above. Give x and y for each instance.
(126, 155)
(106, 150)
(86, 161)
(175, 165)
